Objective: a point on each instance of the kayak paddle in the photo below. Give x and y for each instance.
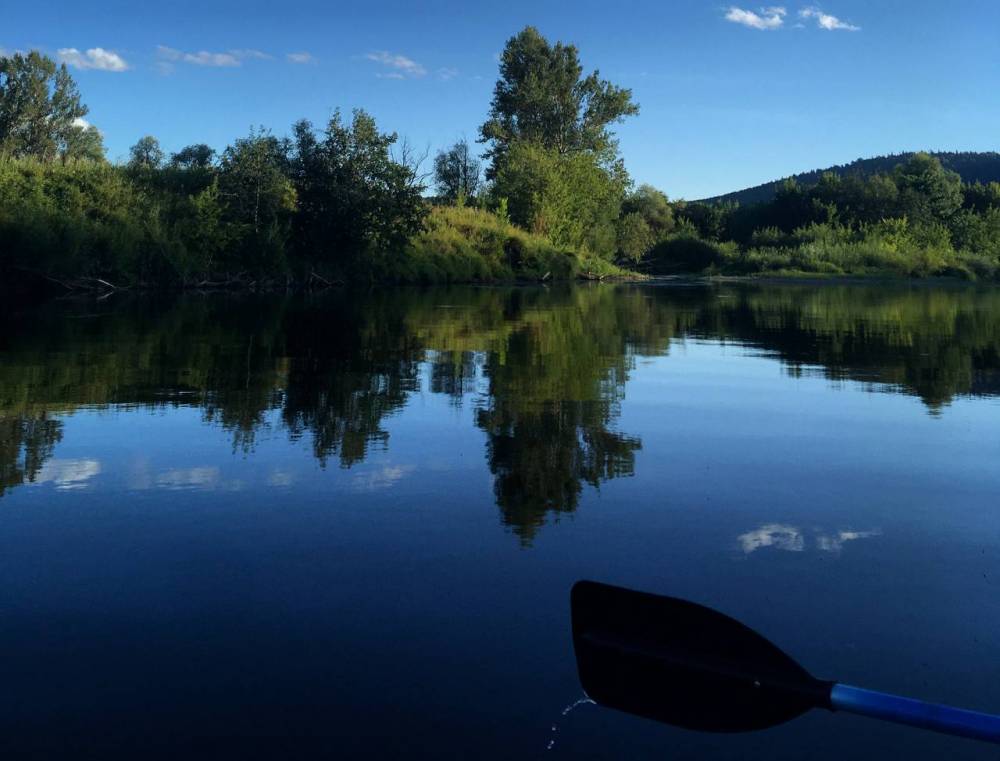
(687, 665)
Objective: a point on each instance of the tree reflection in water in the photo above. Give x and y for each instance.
(546, 368)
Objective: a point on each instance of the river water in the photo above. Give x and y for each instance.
(347, 525)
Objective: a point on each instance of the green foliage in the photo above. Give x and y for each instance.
(635, 237)
(83, 142)
(654, 208)
(146, 153)
(198, 156)
(927, 191)
(468, 245)
(457, 173)
(328, 205)
(916, 221)
(706, 220)
(503, 209)
(689, 253)
(260, 200)
(543, 98)
(573, 199)
(983, 168)
(356, 204)
(40, 109)
(74, 219)
(980, 197)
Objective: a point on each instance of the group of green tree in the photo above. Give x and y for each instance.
(346, 201)
(333, 200)
(918, 220)
(549, 197)
(971, 166)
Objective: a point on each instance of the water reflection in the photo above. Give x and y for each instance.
(67, 474)
(26, 442)
(780, 536)
(544, 371)
(775, 535)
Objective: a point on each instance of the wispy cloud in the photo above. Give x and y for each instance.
(94, 58)
(826, 21)
(447, 73)
(766, 19)
(300, 57)
(227, 59)
(398, 66)
(248, 53)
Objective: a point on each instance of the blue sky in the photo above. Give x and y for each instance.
(731, 95)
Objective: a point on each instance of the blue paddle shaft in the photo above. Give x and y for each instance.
(952, 721)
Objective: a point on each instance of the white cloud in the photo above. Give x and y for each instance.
(68, 474)
(768, 18)
(94, 58)
(826, 21)
(201, 58)
(399, 65)
(81, 123)
(249, 53)
(447, 73)
(227, 59)
(301, 57)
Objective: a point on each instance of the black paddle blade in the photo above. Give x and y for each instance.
(683, 664)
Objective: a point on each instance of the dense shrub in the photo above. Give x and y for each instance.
(468, 244)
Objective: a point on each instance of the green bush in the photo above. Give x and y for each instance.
(468, 244)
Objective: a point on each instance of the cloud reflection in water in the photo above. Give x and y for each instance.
(782, 536)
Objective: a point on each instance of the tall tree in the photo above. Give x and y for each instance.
(927, 191)
(572, 200)
(354, 199)
(146, 153)
(39, 106)
(457, 172)
(543, 97)
(254, 181)
(83, 142)
(198, 156)
(653, 207)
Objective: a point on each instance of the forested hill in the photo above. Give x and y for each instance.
(973, 167)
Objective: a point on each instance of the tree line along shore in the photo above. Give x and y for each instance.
(544, 194)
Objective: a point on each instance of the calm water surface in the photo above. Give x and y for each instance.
(348, 525)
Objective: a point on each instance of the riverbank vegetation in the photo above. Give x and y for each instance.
(920, 220)
(345, 201)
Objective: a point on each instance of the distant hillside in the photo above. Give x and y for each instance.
(973, 167)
